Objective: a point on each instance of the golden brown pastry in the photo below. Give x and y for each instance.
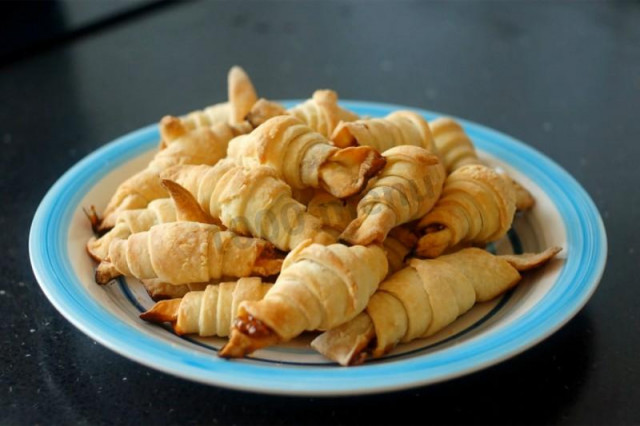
(210, 116)
(457, 150)
(130, 222)
(304, 158)
(321, 113)
(210, 311)
(397, 128)
(453, 144)
(422, 299)
(406, 189)
(181, 207)
(206, 145)
(242, 94)
(250, 202)
(188, 252)
(319, 287)
(477, 206)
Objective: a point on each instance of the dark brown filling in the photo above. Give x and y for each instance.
(250, 326)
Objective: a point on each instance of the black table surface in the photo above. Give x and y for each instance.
(564, 77)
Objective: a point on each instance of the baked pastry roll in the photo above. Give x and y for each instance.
(188, 252)
(319, 287)
(210, 311)
(422, 299)
(405, 190)
(182, 206)
(321, 113)
(205, 145)
(250, 202)
(130, 222)
(397, 128)
(456, 150)
(477, 206)
(304, 158)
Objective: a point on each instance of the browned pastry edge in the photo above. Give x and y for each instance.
(248, 335)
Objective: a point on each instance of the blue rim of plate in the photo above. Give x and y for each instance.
(584, 265)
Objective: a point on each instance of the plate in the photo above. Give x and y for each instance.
(564, 215)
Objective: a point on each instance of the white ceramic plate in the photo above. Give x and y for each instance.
(564, 216)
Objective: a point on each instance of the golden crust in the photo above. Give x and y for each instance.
(346, 343)
(304, 158)
(322, 112)
(477, 206)
(405, 190)
(250, 202)
(453, 144)
(188, 252)
(187, 207)
(396, 129)
(422, 299)
(209, 116)
(319, 287)
(242, 94)
(527, 261)
(209, 311)
(206, 145)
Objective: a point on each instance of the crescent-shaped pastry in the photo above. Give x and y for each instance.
(397, 128)
(405, 190)
(304, 158)
(206, 145)
(250, 202)
(321, 113)
(477, 206)
(210, 311)
(319, 287)
(181, 207)
(130, 222)
(456, 150)
(188, 252)
(422, 299)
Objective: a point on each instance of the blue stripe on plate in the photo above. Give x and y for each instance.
(580, 274)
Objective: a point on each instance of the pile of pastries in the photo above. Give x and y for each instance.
(259, 223)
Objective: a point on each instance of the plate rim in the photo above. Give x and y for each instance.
(396, 375)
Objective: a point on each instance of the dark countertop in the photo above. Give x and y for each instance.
(564, 77)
